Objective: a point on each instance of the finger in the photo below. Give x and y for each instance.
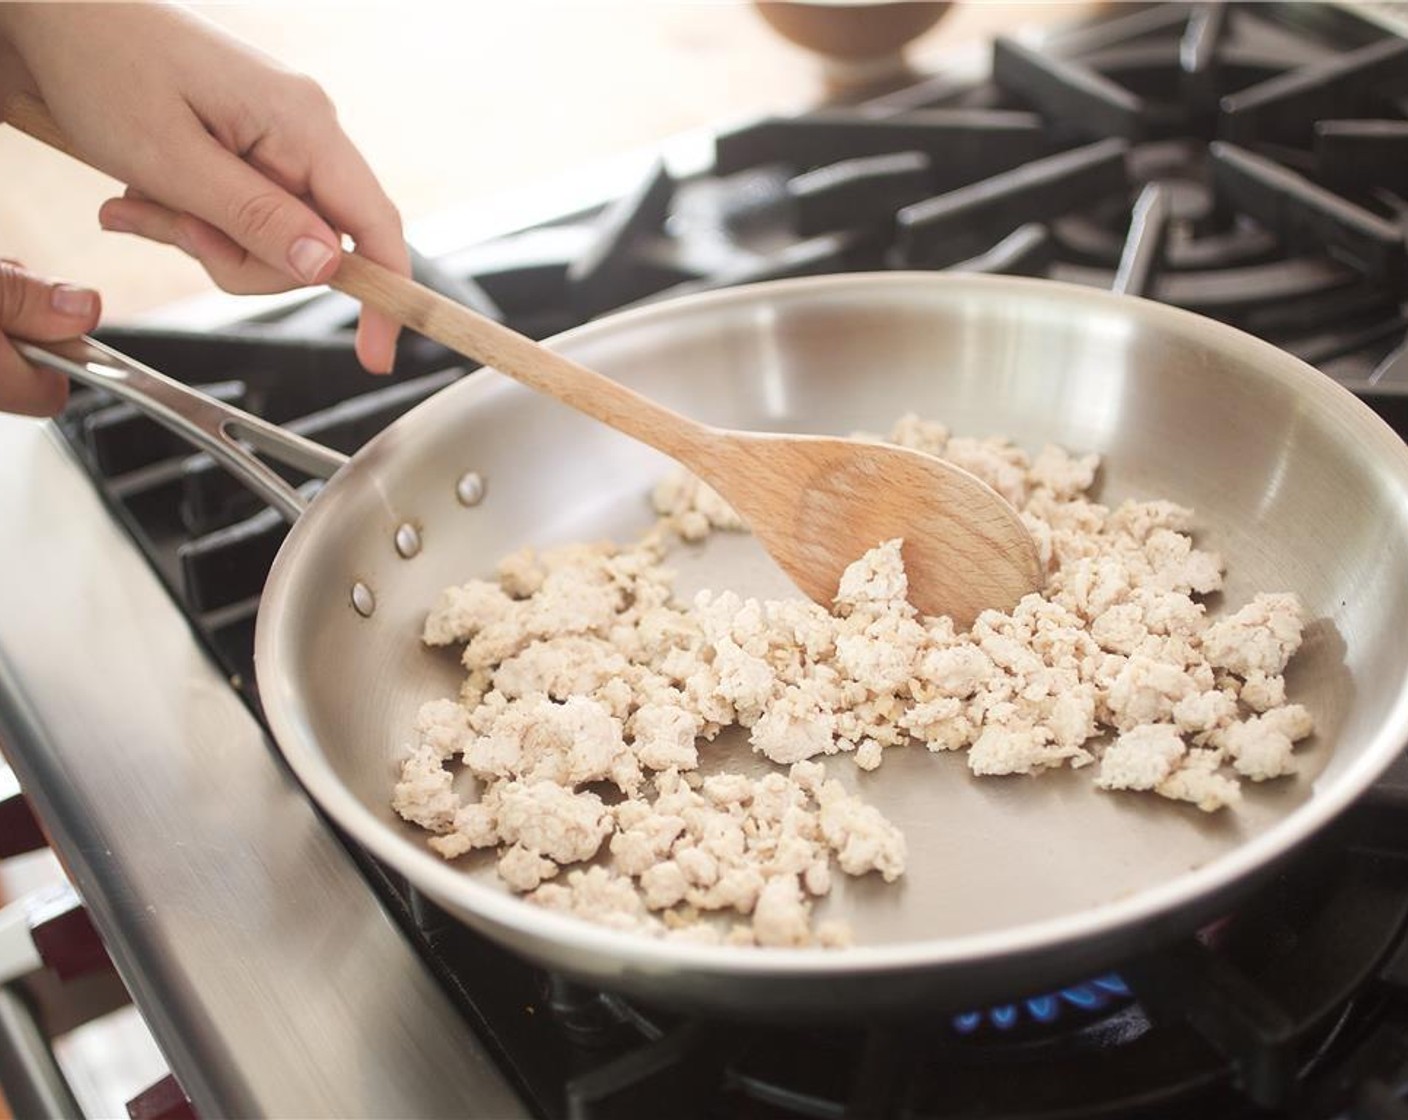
(345, 190)
(230, 266)
(223, 190)
(44, 310)
(27, 389)
(130, 214)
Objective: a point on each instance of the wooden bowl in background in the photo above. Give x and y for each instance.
(860, 45)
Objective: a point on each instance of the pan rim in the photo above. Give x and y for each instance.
(631, 951)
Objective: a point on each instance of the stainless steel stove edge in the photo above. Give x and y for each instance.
(284, 991)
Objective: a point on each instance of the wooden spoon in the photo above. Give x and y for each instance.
(816, 503)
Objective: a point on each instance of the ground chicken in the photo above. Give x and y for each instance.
(1141, 758)
(463, 611)
(1259, 638)
(424, 795)
(583, 668)
(522, 869)
(782, 917)
(876, 579)
(1260, 747)
(555, 822)
(861, 837)
(664, 735)
(1198, 781)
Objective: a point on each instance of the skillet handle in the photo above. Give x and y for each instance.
(215, 428)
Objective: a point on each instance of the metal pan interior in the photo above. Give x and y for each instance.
(1296, 483)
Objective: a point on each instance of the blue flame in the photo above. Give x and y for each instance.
(1092, 995)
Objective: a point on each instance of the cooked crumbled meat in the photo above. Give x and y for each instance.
(861, 837)
(745, 681)
(522, 869)
(424, 795)
(728, 789)
(782, 916)
(641, 844)
(957, 670)
(663, 885)
(869, 754)
(692, 507)
(1146, 690)
(475, 825)
(1261, 692)
(1064, 474)
(463, 611)
(737, 888)
(1018, 749)
(521, 573)
(663, 735)
(572, 743)
(877, 578)
(1204, 712)
(1071, 720)
(994, 460)
(919, 434)
(1198, 781)
(699, 866)
(817, 878)
(1141, 758)
(583, 668)
(600, 896)
(451, 845)
(555, 822)
(796, 726)
(1260, 747)
(1259, 638)
(572, 665)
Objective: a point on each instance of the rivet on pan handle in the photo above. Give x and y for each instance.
(216, 428)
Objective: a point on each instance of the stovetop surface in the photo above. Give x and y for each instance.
(1247, 162)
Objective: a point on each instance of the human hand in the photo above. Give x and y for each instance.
(38, 310)
(234, 159)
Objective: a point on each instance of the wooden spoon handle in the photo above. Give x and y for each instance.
(467, 332)
(463, 330)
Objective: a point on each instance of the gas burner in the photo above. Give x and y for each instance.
(1101, 996)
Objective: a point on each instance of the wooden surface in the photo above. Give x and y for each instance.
(457, 102)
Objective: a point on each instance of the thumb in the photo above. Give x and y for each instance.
(43, 310)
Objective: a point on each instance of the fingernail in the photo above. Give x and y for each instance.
(67, 299)
(308, 258)
(117, 225)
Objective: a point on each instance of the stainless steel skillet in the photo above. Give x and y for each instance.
(1014, 884)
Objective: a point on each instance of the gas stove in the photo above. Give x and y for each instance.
(1247, 161)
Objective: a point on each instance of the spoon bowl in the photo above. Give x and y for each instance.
(816, 504)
